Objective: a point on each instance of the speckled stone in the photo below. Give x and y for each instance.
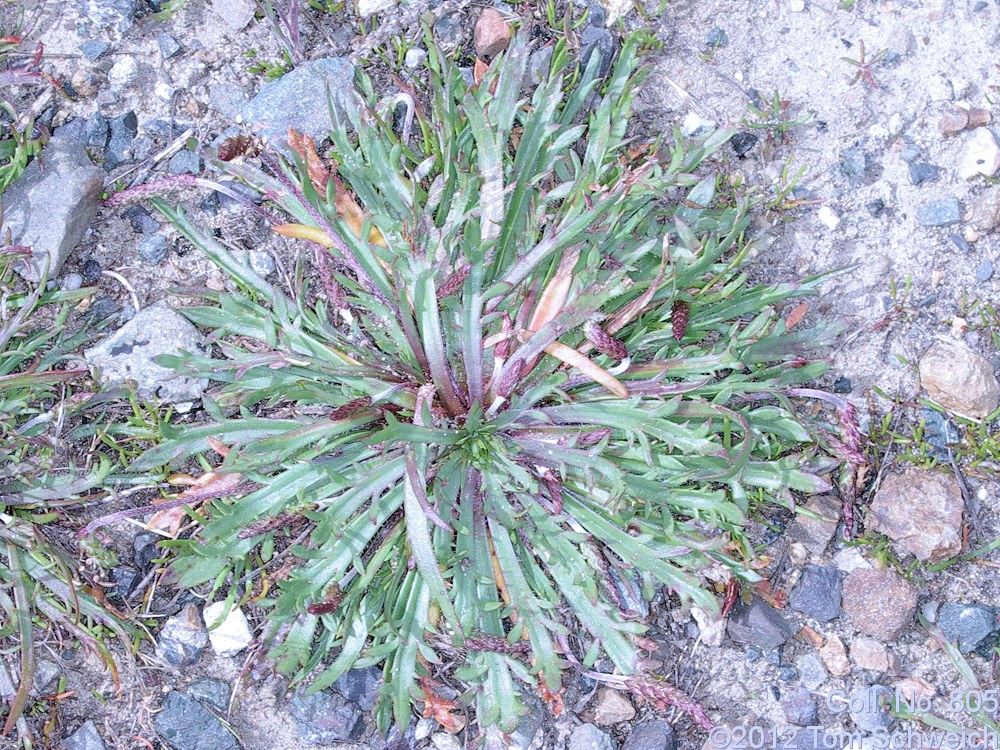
(879, 602)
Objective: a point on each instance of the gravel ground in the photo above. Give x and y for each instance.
(886, 109)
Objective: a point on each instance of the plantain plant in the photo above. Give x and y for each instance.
(522, 376)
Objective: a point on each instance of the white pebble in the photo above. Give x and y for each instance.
(414, 57)
(694, 125)
(371, 7)
(233, 634)
(123, 72)
(828, 217)
(895, 123)
(797, 6)
(981, 155)
(939, 89)
(164, 91)
(850, 559)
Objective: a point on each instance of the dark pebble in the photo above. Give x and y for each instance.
(360, 686)
(141, 220)
(940, 213)
(144, 549)
(970, 625)
(981, 5)
(124, 128)
(752, 654)
(168, 45)
(651, 734)
(855, 164)
(799, 707)
(743, 142)
(909, 153)
(842, 385)
(921, 171)
(188, 725)
(866, 707)
(817, 593)
(93, 49)
(184, 162)
(773, 656)
(939, 431)
(153, 249)
(213, 694)
(758, 624)
(84, 738)
(716, 38)
(984, 271)
(597, 39)
(124, 579)
(103, 307)
(326, 718)
(876, 207)
(787, 674)
(91, 271)
(97, 131)
(959, 241)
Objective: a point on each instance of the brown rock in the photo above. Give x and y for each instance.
(612, 708)
(921, 511)
(979, 117)
(491, 35)
(867, 653)
(816, 532)
(985, 211)
(953, 122)
(959, 379)
(810, 636)
(834, 656)
(878, 602)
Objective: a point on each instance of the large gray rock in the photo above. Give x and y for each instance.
(360, 686)
(185, 724)
(326, 718)
(183, 638)
(758, 625)
(589, 737)
(818, 593)
(128, 355)
(118, 15)
(652, 734)
(51, 209)
(84, 738)
(236, 14)
(299, 100)
(971, 625)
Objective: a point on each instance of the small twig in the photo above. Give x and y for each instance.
(128, 287)
(970, 501)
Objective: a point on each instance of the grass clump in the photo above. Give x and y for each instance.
(524, 380)
(40, 395)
